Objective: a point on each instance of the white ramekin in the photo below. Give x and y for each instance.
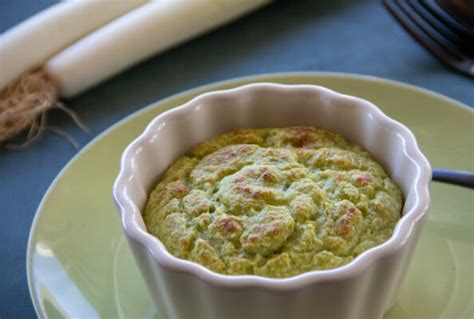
(365, 288)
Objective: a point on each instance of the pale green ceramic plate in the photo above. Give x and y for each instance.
(79, 264)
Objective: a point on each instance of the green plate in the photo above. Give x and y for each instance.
(79, 264)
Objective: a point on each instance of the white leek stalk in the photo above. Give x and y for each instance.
(145, 31)
(32, 42)
(123, 42)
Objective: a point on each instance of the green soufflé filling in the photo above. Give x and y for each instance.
(273, 202)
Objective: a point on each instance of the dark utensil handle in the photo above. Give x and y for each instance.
(460, 178)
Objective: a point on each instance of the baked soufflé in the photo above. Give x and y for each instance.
(273, 202)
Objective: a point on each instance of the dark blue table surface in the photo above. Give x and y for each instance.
(344, 36)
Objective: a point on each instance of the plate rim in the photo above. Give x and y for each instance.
(254, 77)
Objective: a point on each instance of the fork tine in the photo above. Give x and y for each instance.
(463, 42)
(428, 30)
(448, 54)
(449, 21)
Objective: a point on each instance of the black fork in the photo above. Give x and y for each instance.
(442, 27)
